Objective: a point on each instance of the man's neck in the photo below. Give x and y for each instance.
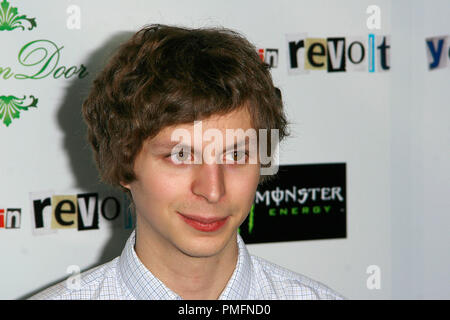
(190, 277)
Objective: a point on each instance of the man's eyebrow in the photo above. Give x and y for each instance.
(236, 145)
(168, 145)
(164, 144)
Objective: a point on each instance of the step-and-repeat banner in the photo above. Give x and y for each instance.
(329, 204)
(54, 214)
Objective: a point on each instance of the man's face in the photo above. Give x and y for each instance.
(195, 208)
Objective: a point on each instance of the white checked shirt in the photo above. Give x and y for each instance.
(126, 277)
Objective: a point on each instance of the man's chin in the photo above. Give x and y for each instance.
(204, 247)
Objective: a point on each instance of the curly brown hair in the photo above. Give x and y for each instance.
(167, 75)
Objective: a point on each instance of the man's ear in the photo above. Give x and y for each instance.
(125, 185)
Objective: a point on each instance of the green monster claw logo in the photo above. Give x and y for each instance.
(10, 107)
(10, 20)
(250, 219)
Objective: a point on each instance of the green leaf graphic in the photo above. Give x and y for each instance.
(10, 107)
(10, 20)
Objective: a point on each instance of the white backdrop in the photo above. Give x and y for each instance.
(420, 153)
(390, 128)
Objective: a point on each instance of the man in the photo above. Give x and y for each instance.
(167, 83)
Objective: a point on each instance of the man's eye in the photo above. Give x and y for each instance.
(237, 156)
(180, 157)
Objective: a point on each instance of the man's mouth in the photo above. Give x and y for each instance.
(203, 223)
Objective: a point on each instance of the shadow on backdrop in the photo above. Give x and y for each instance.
(79, 151)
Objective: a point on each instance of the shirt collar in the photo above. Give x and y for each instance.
(145, 286)
(238, 287)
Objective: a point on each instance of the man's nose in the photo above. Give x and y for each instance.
(209, 182)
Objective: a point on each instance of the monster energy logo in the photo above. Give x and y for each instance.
(10, 107)
(299, 195)
(295, 211)
(10, 19)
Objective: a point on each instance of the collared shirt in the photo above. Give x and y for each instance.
(126, 277)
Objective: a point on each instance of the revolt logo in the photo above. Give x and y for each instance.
(82, 211)
(337, 54)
